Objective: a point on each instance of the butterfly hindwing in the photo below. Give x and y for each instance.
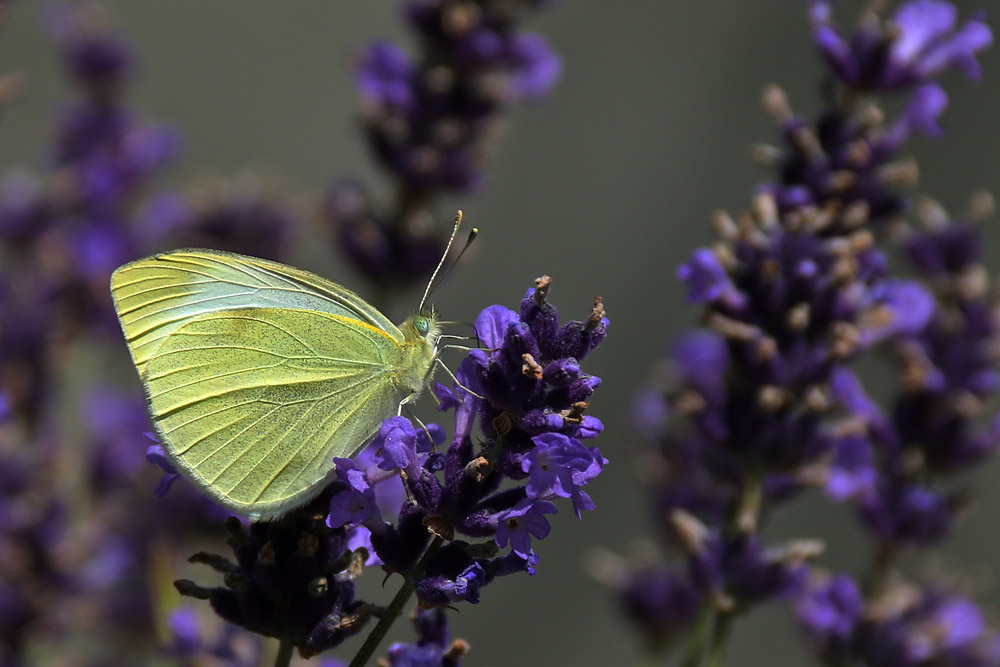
(253, 404)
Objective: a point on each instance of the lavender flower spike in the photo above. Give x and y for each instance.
(470, 514)
(763, 402)
(917, 45)
(431, 119)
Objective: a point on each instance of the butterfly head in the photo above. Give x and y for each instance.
(421, 332)
(423, 328)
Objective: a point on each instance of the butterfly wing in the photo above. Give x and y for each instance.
(157, 295)
(253, 404)
(257, 373)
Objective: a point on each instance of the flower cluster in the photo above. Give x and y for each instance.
(79, 555)
(61, 234)
(432, 647)
(762, 403)
(904, 626)
(189, 643)
(517, 446)
(431, 121)
(246, 214)
(292, 579)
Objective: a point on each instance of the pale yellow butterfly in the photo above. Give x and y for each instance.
(258, 374)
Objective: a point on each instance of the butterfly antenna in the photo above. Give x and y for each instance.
(434, 282)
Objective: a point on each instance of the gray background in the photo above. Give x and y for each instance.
(606, 186)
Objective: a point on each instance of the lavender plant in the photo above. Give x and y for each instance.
(517, 445)
(60, 232)
(440, 510)
(441, 519)
(79, 550)
(432, 121)
(764, 400)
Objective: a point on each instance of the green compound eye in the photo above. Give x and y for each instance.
(422, 325)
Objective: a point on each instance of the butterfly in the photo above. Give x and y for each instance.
(258, 374)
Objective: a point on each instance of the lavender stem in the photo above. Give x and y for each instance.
(720, 637)
(394, 609)
(285, 649)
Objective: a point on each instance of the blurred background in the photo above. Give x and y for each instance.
(607, 185)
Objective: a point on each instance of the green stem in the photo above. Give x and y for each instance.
(884, 560)
(284, 657)
(745, 520)
(394, 609)
(699, 635)
(720, 637)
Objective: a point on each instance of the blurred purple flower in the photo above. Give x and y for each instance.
(432, 648)
(385, 76)
(917, 45)
(763, 403)
(830, 611)
(535, 65)
(431, 121)
(707, 280)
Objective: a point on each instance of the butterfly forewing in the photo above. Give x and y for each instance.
(253, 404)
(157, 295)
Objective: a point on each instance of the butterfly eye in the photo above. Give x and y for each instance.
(422, 325)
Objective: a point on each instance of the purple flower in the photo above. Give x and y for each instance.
(701, 357)
(905, 513)
(297, 563)
(117, 424)
(519, 524)
(428, 129)
(98, 58)
(431, 122)
(188, 642)
(528, 375)
(385, 76)
(354, 502)
(950, 248)
(387, 250)
(928, 627)
(707, 280)
(560, 466)
(184, 626)
(744, 570)
(157, 456)
(397, 443)
(928, 43)
(433, 648)
(492, 324)
(350, 506)
(919, 44)
(465, 587)
(243, 214)
(830, 611)
(661, 601)
(763, 403)
(900, 308)
(852, 471)
(535, 66)
(926, 104)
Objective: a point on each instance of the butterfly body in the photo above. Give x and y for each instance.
(257, 374)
